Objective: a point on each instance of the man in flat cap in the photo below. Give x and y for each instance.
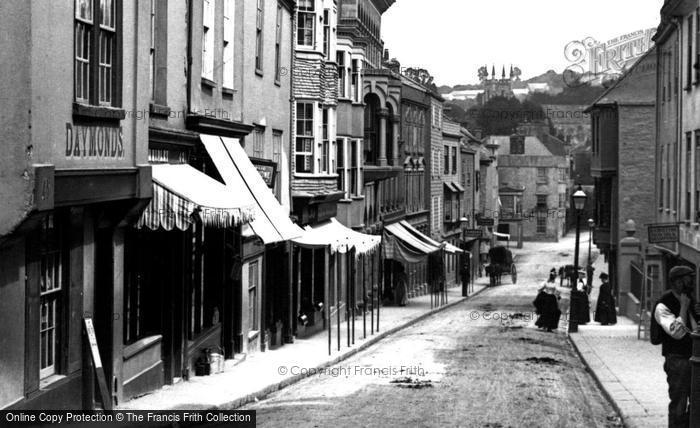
(675, 316)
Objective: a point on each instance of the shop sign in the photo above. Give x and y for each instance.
(267, 170)
(473, 233)
(663, 233)
(482, 221)
(94, 142)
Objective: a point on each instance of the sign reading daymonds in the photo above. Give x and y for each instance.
(663, 233)
(483, 221)
(473, 233)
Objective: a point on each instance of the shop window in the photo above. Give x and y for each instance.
(95, 36)
(305, 137)
(253, 287)
(142, 281)
(51, 287)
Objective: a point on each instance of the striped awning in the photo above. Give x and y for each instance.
(181, 194)
(444, 245)
(338, 237)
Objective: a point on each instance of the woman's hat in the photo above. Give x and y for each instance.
(603, 275)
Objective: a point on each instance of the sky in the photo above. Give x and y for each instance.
(453, 38)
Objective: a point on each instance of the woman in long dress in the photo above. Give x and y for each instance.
(547, 307)
(605, 312)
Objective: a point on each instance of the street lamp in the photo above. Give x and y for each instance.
(575, 304)
(589, 266)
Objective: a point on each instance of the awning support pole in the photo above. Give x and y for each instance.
(364, 299)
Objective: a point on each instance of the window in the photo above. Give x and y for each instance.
(477, 180)
(689, 59)
(697, 175)
(340, 159)
(51, 282)
(437, 116)
(228, 44)
(355, 83)
(277, 158)
(259, 24)
(541, 224)
(326, 32)
(259, 142)
(446, 160)
(305, 137)
(324, 166)
(152, 51)
(253, 282)
(454, 160)
(95, 52)
(208, 39)
(697, 46)
(436, 214)
(305, 23)
(517, 145)
(355, 168)
(278, 45)
(688, 173)
(562, 200)
(542, 175)
(342, 74)
(542, 202)
(448, 208)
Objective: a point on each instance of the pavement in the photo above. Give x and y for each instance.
(263, 373)
(628, 370)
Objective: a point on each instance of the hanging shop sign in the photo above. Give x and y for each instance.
(267, 170)
(663, 233)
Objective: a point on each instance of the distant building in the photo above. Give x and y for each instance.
(495, 87)
(533, 178)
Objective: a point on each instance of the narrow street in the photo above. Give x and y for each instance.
(482, 363)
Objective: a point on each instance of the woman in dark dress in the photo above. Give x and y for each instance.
(605, 312)
(547, 307)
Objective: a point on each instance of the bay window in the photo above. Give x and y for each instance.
(305, 137)
(306, 20)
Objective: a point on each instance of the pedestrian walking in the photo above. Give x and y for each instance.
(465, 275)
(401, 287)
(605, 312)
(552, 275)
(547, 307)
(671, 324)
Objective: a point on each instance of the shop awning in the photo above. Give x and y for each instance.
(180, 192)
(339, 238)
(450, 187)
(400, 244)
(501, 235)
(271, 222)
(458, 186)
(447, 246)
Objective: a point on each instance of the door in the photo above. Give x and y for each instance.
(104, 301)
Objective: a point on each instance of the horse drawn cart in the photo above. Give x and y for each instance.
(501, 262)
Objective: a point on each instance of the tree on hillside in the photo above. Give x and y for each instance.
(502, 115)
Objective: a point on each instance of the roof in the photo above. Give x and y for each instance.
(637, 85)
(556, 146)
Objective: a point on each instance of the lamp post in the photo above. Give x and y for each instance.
(589, 265)
(579, 198)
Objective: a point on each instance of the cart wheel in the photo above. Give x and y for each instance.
(514, 274)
